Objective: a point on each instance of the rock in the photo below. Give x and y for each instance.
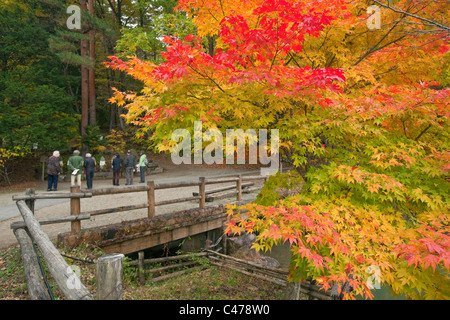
(241, 247)
(269, 262)
(241, 244)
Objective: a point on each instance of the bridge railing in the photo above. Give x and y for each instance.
(152, 202)
(76, 194)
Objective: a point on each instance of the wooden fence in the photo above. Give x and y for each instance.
(29, 232)
(168, 267)
(151, 202)
(110, 267)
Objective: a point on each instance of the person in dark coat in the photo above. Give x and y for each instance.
(129, 163)
(53, 171)
(116, 166)
(89, 166)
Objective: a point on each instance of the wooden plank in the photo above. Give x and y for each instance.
(61, 271)
(171, 275)
(217, 181)
(171, 266)
(223, 189)
(116, 209)
(170, 258)
(169, 185)
(50, 196)
(151, 239)
(243, 271)
(37, 290)
(75, 207)
(164, 202)
(253, 264)
(21, 224)
(117, 190)
(246, 178)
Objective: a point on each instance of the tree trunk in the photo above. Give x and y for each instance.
(92, 108)
(84, 81)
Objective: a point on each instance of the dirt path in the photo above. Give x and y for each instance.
(58, 208)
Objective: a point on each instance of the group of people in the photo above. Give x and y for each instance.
(77, 165)
(129, 163)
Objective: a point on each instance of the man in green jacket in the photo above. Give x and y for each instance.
(76, 168)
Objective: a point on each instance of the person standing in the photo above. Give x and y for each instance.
(116, 166)
(142, 166)
(53, 171)
(75, 165)
(89, 166)
(129, 163)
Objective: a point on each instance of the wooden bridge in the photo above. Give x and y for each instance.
(133, 236)
(136, 235)
(117, 239)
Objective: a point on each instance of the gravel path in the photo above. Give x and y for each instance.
(61, 207)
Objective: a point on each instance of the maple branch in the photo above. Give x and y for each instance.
(423, 131)
(388, 6)
(404, 128)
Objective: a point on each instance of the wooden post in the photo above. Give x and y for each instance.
(141, 268)
(37, 289)
(109, 277)
(151, 199)
(75, 209)
(30, 203)
(224, 240)
(239, 188)
(202, 192)
(293, 291)
(66, 279)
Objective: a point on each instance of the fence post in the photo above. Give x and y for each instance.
(141, 268)
(239, 188)
(293, 291)
(75, 208)
(109, 277)
(151, 199)
(30, 203)
(202, 192)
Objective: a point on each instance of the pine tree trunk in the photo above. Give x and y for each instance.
(84, 81)
(92, 107)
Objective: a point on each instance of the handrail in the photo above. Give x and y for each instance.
(38, 196)
(201, 196)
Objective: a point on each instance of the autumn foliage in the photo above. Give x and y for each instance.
(363, 116)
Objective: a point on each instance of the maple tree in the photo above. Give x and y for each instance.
(362, 115)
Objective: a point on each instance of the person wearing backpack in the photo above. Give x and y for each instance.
(75, 165)
(89, 166)
(129, 163)
(116, 166)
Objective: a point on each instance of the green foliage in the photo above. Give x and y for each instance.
(35, 107)
(145, 42)
(278, 183)
(94, 139)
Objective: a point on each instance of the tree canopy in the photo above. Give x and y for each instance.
(362, 115)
